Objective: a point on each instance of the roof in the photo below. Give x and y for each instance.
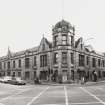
(34, 49)
(62, 23)
(78, 41)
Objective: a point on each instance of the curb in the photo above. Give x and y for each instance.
(73, 84)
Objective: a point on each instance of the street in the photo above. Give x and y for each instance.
(52, 95)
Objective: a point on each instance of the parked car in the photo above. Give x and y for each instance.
(17, 81)
(1, 79)
(6, 79)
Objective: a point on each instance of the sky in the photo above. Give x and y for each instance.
(23, 22)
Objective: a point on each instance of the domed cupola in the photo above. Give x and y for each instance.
(63, 34)
(62, 26)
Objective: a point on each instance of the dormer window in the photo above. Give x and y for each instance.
(64, 39)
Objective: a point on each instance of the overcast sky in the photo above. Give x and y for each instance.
(23, 22)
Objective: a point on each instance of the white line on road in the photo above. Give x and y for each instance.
(66, 96)
(84, 103)
(86, 91)
(34, 98)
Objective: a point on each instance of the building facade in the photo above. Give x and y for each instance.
(63, 59)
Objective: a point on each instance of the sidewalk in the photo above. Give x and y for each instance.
(89, 83)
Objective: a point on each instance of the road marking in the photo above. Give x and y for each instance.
(66, 96)
(13, 95)
(34, 98)
(51, 104)
(84, 103)
(75, 103)
(86, 91)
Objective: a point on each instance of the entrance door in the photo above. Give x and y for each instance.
(64, 75)
(43, 75)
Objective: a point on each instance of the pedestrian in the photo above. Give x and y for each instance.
(95, 76)
(83, 80)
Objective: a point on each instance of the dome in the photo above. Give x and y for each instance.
(63, 23)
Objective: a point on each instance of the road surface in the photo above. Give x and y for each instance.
(52, 95)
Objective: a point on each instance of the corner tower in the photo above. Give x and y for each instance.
(63, 41)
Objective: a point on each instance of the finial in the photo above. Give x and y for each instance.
(8, 48)
(9, 52)
(62, 9)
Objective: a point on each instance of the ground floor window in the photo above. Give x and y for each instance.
(103, 73)
(99, 74)
(81, 73)
(87, 75)
(8, 73)
(34, 74)
(72, 74)
(13, 74)
(27, 75)
(54, 76)
(19, 74)
(0, 74)
(43, 75)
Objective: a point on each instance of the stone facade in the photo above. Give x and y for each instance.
(61, 60)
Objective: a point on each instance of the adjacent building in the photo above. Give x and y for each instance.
(64, 59)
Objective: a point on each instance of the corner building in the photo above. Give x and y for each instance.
(62, 60)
